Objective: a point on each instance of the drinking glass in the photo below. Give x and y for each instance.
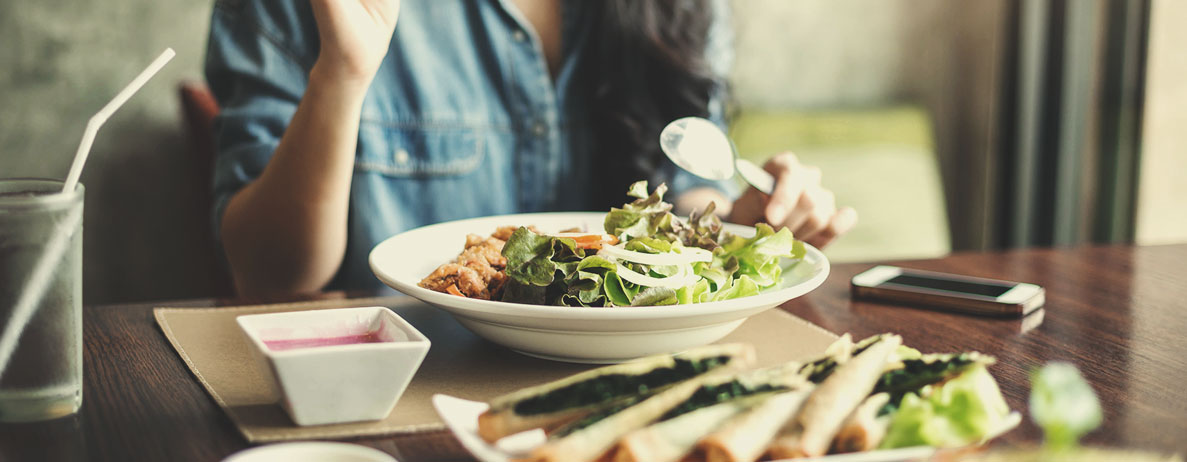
(40, 300)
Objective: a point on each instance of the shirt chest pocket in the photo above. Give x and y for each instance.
(420, 150)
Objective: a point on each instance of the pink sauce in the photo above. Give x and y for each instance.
(295, 343)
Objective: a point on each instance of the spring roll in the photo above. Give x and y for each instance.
(671, 440)
(554, 404)
(864, 428)
(592, 436)
(839, 352)
(677, 431)
(811, 432)
(929, 369)
(746, 436)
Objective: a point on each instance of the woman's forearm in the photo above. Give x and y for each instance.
(286, 231)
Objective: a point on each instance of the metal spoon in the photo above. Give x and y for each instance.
(700, 147)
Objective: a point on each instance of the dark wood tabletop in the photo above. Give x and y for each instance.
(1115, 312)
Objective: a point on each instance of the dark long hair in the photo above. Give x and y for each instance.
(646, 68)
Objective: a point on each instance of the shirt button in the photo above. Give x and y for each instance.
(401, 156)
(539, 128)
(519, 36)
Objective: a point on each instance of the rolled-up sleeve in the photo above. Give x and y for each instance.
(257, 76)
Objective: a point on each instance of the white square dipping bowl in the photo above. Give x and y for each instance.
(336, 365)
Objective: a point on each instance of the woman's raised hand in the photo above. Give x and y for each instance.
(798, 202)
(354, 36)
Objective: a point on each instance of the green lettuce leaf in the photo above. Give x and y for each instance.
(696, 293)
(618, 291)
(655, 296)
(536, 259)
(596, 301)
(760, 256)
(704, 229)
(529, 257)
(963, 411)
(1063, 405)
(720, 272)
(920, 370)
(645, 217)
(596, 263)
(638, 190)
(648, 245)
(584, 284)
(742, 287)
(518, 292)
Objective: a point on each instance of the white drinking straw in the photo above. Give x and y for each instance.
(55, 248)
(97, 120)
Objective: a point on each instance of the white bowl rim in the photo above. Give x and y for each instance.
(812, 256)
(416, 339)
(269, 452)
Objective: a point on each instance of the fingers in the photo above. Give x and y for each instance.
(840, 223)
(791, 181)
(813, 212)
(799, 202)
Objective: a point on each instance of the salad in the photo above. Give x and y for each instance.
(644, 256)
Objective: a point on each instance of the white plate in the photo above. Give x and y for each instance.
(312, 451)
(461, 416)
(593, 335)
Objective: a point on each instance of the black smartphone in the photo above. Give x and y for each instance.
(948, 291)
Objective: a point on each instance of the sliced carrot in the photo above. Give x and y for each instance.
(594, 241)
(453, 290)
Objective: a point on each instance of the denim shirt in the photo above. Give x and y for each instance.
(462, 120)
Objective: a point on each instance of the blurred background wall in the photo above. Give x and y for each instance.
(894, 99)
(1162, 195)
(888, 98)
(62, 60)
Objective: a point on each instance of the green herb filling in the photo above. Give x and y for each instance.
(595, 417)
(713, 394)
(918, 373)
(820, 369)
(611, 386)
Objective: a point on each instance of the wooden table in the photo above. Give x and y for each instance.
(1115, 312)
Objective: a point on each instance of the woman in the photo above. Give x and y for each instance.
(338, 129)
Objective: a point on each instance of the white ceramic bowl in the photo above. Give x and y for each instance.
(594, 335)
(310, 451)
(323, 372)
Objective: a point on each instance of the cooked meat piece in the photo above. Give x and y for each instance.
(495, 285)
(480, 266)
(488, 252)
(478, 270)
(468, 281)
(473, 240)
(494, 243)
(503, 233)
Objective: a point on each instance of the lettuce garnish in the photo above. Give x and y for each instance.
(965, 410)
(1063, 405)
(555, 271)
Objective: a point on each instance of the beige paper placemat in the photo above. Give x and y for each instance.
(459, 364)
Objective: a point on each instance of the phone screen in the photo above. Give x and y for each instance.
(974, 288)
